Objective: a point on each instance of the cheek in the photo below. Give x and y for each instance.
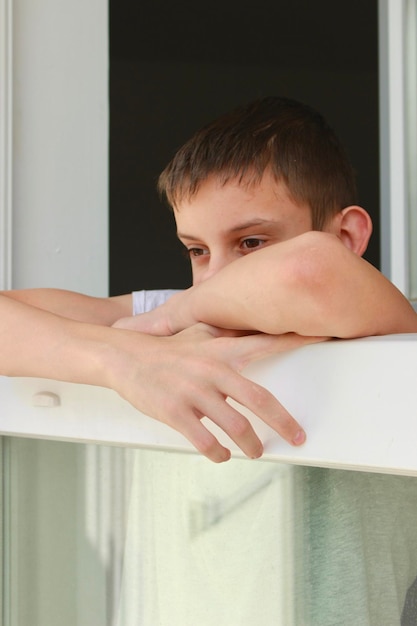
(196, 276)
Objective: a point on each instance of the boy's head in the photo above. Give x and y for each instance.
(264, 173)
(278, 135)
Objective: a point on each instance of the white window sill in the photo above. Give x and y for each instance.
(356, 399)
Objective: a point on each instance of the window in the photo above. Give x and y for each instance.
(134, 536)
(96, 532)
(398, 28)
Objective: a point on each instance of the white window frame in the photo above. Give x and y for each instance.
(5, 143)
(55, 159)
(397, 97)
(346, 393)
(356, 399)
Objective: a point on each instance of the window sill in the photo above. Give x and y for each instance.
(356, 399)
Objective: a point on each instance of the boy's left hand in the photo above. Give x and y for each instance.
(167, 319)
(152, 323)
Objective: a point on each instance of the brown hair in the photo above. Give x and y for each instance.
(291, 139)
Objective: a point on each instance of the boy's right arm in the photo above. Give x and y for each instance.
(312, 285)
(144, 370)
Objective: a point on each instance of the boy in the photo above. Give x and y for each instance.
(265, 174)
(273, 172)
(270, 178)
(260, 179)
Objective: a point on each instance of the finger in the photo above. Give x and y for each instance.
(149, 323)
(201, 438)
(265, 406)
(128, 323)
(254, 347)
(236, 426)
(201, 331)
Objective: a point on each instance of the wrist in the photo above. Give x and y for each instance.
(179, 311)
(89, 354)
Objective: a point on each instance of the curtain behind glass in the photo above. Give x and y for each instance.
(110, 537)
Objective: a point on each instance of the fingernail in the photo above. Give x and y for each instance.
(258, 453)
(299, 438)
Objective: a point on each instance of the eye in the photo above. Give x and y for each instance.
(196, 252)
(251, 242)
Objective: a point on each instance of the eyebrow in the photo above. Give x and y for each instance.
(238, 227)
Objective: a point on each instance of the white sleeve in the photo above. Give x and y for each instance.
(143, 301)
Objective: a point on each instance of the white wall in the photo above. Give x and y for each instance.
(60, 144)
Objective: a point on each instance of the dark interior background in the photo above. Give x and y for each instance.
(175, 66)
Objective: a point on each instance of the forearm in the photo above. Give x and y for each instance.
(74, 305)
(310, 285)
(144, 370)
(37, 343)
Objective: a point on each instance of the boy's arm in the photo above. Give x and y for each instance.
(144, 370)
(75, 306)
(311, 285)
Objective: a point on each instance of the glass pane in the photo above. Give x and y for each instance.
(100, 536)
(65, 532)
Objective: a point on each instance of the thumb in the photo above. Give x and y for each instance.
(148, 323)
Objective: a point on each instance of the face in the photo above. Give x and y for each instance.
(222, 223)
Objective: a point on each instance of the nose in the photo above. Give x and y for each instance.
(215, 264)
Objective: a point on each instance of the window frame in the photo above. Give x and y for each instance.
(110, 420)
(6, 122)
(395, 82)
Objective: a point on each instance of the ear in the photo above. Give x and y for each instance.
(353, 226)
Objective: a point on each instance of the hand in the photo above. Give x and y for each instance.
(180, 379)
(152, 323)
(167, 319)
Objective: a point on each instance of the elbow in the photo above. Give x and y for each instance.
(313, 264)
(313, 276)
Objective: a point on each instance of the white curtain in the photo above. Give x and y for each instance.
(111, 537)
